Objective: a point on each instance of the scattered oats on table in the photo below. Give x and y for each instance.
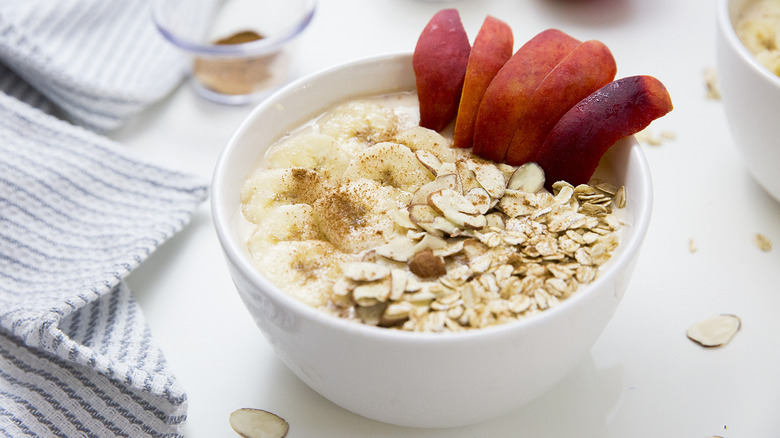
(650, 137)
(762, 242)
(711, 82)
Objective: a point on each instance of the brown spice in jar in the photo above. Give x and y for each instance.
(237, 75)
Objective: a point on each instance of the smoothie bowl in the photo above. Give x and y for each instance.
(433, 371)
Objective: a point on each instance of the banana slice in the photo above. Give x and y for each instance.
(364, 121)
(770, 60)
(314, 151)
(758, 35)
(270, 187)
(289, 222)
(391, 164)
(356, 216)
(305, 269)
(419, 138)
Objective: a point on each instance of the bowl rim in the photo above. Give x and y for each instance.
(263, 46)
(729, 32)
(222, 222)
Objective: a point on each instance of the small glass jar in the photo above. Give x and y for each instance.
(237, 46)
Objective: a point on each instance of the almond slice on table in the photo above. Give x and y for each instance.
(257, 423)
(716, 331)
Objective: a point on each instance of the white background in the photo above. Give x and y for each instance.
(643, 378)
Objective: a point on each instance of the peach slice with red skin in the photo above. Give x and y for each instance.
(439, 61)
(508, 94)
(491, 49)
(587, 68)
(577, 142)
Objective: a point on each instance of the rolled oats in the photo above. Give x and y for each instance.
(762, 242)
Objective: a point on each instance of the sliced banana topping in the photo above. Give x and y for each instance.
(356, 216)
(362, 121)
(307, 268)
(267, 188)
(293, 222)
(391, 164)
(318, 152)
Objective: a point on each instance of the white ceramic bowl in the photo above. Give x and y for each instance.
(751, 100)
(414, 379)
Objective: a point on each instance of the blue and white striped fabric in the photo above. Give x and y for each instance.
(77, 214)
(100, 61)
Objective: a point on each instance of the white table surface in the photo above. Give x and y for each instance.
(643, 378)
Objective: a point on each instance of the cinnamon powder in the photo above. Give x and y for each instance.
(238, 75)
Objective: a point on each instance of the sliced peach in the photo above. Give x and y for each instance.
(491, 49)
(510, 91)
(586, 69)
(439, 62)
(577, 142)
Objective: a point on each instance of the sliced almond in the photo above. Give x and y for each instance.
(368, 294)
(519, 203)
(365, 271)
(415, 234)
(398, 282)
(429, 160)
(448, 181)
(491, 178)
(468, 178)
(399, 248)
(442, 224)
(481, 199)
(457, 209)
(431, 242)
(447, 169)
(529, 178)
(449, 200)
(422, 214)
(454, 246)
(257, 423)
(401, 217)
(716, 331)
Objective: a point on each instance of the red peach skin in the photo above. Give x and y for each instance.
(586, 69)
(621, 108)
(439, 62)
(491, 49)
(508, 94)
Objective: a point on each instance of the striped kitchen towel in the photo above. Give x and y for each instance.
(99, 61)
(77, 214)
